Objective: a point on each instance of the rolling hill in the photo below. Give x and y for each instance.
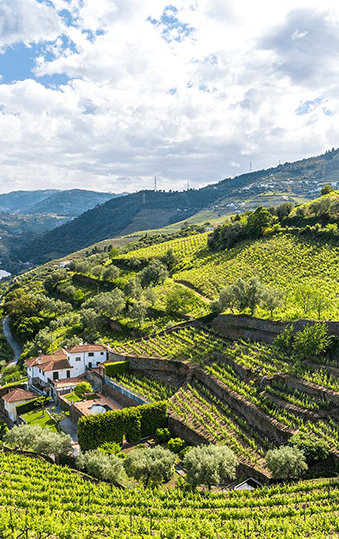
(297, 182)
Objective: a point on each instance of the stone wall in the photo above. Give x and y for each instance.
(243, 326)
(179, 429)
(121, 399)
(253, 415)
(309, 388)
(244, 471)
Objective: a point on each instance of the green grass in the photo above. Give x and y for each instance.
(36, 418)
(72, 397)
(12, 384)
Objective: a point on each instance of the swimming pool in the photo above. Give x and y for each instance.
(99, 408)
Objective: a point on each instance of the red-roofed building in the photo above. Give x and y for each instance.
(64, 363)
(14, 398)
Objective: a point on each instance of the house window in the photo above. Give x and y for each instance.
(68, 374)
(90, 354)
(78, 359)
(55, 375)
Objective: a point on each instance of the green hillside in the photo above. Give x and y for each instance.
(293, 182)
(150, 299)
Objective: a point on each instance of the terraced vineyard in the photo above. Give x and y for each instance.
(150, 388)
(200, 344)
(204, 413)
(238, 368)
(187, 343)
(282, 261)
(186, 247)
(40, 500)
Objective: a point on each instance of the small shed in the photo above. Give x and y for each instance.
(14, 398)
(248, 484)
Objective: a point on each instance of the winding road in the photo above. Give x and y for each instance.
(13, 344)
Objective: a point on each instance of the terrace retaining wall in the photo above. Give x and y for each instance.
(242, 326)
(255, 417)
(314, 390)
(179, 429)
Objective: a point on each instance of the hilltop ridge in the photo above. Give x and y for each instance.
(295, 182)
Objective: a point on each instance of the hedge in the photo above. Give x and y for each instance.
(116, 367)
(130, 423)
(30, 405)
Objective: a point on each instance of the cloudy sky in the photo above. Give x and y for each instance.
(108, 94)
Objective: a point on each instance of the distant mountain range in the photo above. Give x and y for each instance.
(69, 203)
(298, 181)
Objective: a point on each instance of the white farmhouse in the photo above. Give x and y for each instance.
(43, 370)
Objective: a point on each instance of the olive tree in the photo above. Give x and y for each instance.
(209, 465)
(101, 465)
(150, 465)
(39, 440)
(286, 462)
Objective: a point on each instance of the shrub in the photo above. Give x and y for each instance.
(286, 462)
(313, 448)
(110, 448)
(311, 341)
(163, 435)
(175, 445)
(101, 465)
(116, 367)
(133, 423)
(285, 337)
(83, 387)
(39, 440)
(153, 416)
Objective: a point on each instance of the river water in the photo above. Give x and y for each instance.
(3, 274)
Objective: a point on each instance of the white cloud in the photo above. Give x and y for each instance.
(27, 21)
(184, 92)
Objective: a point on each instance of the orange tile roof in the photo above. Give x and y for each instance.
(18, 395)
(54, 362)
(87, 348)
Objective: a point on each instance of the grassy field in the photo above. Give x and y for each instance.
(41, 418)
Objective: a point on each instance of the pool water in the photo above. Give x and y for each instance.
(99, 408)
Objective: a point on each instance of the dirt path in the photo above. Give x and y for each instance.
(186, 284)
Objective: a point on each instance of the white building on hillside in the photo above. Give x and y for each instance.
(64, 363)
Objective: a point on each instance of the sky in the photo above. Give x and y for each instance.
(110, 94)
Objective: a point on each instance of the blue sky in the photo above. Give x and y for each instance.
(107, 94)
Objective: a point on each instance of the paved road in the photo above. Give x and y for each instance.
(13, 344)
